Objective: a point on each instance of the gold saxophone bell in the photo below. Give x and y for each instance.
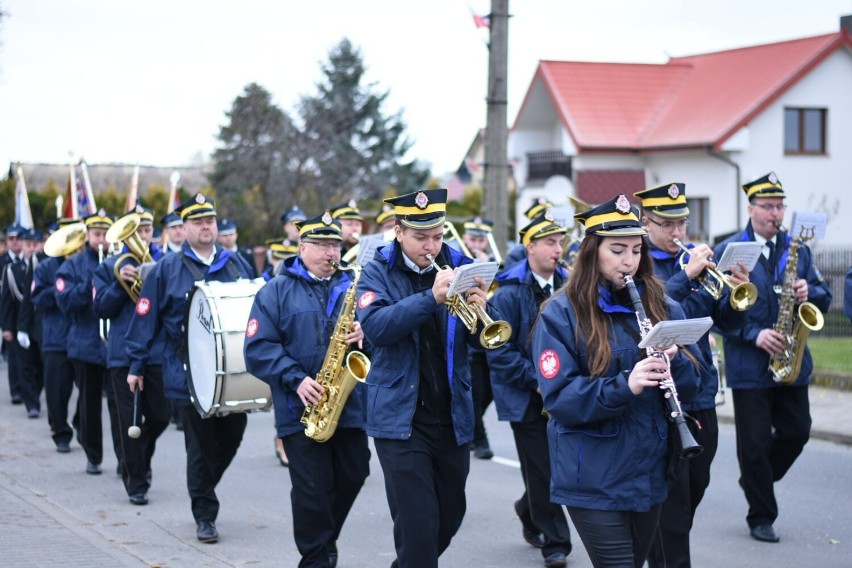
(743, 296)
(66, 241)
(494, 333)
(124, 231)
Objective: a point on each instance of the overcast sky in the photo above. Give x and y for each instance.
(150, 82)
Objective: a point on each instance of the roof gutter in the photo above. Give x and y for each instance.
(724, 158)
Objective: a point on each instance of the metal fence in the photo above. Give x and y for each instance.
(833, 264)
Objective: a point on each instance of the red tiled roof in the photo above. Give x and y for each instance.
(596, 186)
(692, 101)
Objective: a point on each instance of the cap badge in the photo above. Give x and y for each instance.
(477, 220)
(386, 208)
(674, 191)
(622, 205)
(139, 209)
(199, 198)
(421, 200)
(773, 178)
(352, 204)
(102, 213)
(548, 216)
(326, 218)
(542, 201)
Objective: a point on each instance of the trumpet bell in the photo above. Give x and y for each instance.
(66, 241)
(743, 296)
(495, 335)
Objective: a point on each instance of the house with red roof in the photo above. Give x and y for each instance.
(713, 121)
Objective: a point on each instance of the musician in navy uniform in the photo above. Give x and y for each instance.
(522, 290)
(174, 232)
(29, 328)
(351, 222)
(86, 350)
(211, 443)
(113, 302)
(58, 369)
(228, 240)
(290, 219)
(419, 389)
(537, 209)
(609, 425)
(773, 420)
(665, 216)
(13, 256)
(287, 338)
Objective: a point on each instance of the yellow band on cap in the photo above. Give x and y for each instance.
(538, 231)
(414, 210)
(610, 217)
(195, 208)
(308, 228)
(657, 201)
(760, 187)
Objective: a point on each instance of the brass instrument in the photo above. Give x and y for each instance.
(575, 234)
(495, 333)
(352, 254)
(495, 250)
(124, 231)
(785, 366)
(339, 374)
(450, 229)
(743, 296)
(689, 447)
(66, 241)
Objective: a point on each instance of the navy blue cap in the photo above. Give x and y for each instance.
(14, 230)
(227, 227)
(294, 214)
(171, 220)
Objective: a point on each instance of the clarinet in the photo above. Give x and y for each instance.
(689, 447)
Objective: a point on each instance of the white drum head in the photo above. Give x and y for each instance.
(200, 338)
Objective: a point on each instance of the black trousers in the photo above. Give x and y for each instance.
(58, 386)
(91, 381)
(325, 479)
(14, 375)
(211, 444)
(480, 377)
(616, 539)
(685, 492)
(152, 415)
(535, 506)
(425, 479)
(30, 374)
(773, 426)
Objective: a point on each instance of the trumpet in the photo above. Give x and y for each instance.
(495, 333)
(743, 296)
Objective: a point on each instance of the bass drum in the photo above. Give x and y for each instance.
(214, 334)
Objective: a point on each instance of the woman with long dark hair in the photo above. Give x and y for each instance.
(609, 428)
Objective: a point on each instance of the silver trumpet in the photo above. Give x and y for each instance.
(743, 296)
(495, 333)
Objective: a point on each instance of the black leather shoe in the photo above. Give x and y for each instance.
(207, 532)
(33, 413)
(482, 452)
(332, 554)
(17, 399)
(531, 534)
(764, 533)
(93, 468)
(555, 559)
(63, 447)
(139, 499)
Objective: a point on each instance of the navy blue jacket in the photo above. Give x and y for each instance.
(391, 314)
(698, 303)
(746, 365)
(113, 303)
(74, 297)
(161, 305)
(513, 376)
(54, 323)
(608, 447)
(290, 325)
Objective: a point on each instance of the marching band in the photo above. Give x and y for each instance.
(204, 332)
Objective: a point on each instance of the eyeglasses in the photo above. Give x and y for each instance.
(768, 207)
(668, 226)
(325, 245)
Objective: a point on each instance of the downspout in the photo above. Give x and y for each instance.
(724, 157)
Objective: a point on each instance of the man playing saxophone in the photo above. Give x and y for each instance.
(772, 419)
(293, 321)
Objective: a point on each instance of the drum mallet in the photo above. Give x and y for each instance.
(135, 431)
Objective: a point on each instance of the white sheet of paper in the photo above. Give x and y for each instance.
(747, 251)
(812, 222)
(368, 246)
(680, 332)
(464, 279)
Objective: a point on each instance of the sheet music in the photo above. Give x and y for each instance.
(368, 245)
(680, 332)
(748, 252)
(814, 224)
(464, 278)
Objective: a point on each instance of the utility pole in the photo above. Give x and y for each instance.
(496, 197)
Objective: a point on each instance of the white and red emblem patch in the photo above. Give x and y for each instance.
(421, 200)
(60, 284)
(622, 205)
(143, 306)
(674, 191)
(773, 178)
(251, 328)
(548, 363)
(366, 299)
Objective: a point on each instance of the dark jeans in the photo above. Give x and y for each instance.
(58, 386)
(325, 479)
(425, 478)
(616, 539)
(211, 444)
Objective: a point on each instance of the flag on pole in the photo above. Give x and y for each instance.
(480, 21)
(23, 214)
(174, 197)
(89, 196)
(132, 195)
(71, 210)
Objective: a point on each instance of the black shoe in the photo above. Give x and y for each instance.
(93, 468)
(139, 499)
(555, 559)
(16, 399)
(206, 532)
(764, 533)
(483, 452)
(531, 534)
(332, 554)
(33, 413)
(63, 447)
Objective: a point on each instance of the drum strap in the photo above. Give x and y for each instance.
(197, 275)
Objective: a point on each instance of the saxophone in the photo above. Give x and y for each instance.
(786, 364)
(340, 372)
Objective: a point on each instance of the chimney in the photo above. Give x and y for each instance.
(846, 24)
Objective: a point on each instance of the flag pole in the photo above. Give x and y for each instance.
(132, 195)
(23, 213)
(87, 186)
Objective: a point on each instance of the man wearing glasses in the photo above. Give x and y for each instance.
(772, 419)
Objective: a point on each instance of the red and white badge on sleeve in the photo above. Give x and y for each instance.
(60, 284)
(251, 328)
(548, 363)
(366, 299)
(143, 306)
